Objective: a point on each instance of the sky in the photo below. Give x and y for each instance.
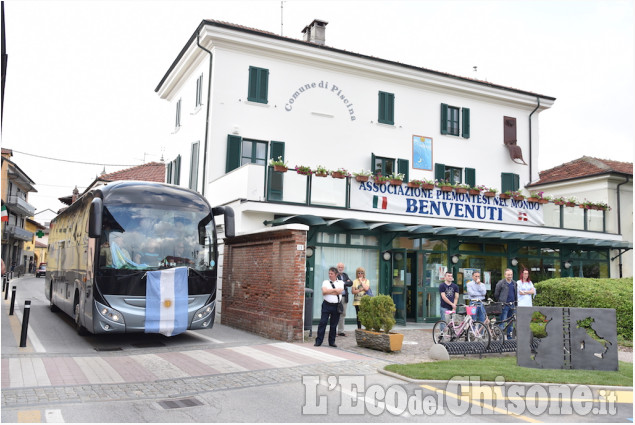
(81, 74)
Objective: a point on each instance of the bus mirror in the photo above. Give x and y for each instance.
(228, 213)
(94, 219)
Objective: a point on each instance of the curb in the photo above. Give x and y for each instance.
(432, 381)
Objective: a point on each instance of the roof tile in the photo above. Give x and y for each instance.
(583, 167)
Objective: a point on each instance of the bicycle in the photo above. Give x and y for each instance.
(473, 331)
(496, 332)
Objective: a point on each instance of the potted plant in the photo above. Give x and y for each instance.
(340, 173)
(321, 171)
(602, 206)
(377, 315)
(535, 196)
(517, 195)
(571, 202)
(379, 179)
(445, 186)
(427, 184)
(461, 188)
(545, 199)
(559, 200)
(586, 205)
(475, 190)
(506, 195)
(489, 192)
(278, 165)
(415, 183)
(303, 169)
(362, 176)
(396, 179)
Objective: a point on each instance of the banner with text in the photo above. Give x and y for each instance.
(387, 198)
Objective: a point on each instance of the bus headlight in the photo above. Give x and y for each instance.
(202, 316)
(110, 314)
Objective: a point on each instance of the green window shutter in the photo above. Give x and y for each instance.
(470, 176)
(233, 152)
(516, 181)
(277, 149)
(439, 172)
(507, 182)
(258, 88)
(465, 133)
(444, 118)
(386, 108)
(177, 170)
(403, 166)
(194, 166)
(372, 163)
(168, 178)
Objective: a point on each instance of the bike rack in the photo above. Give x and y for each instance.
(495, 347)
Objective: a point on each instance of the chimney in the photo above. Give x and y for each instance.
(75, 195)
(315, 32)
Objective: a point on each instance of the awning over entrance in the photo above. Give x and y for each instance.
(427, 231)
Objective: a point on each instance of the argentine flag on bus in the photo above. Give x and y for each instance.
(166, 301)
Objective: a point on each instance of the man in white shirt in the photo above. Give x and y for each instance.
(332, 292)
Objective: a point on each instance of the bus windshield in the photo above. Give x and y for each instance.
(148, 237)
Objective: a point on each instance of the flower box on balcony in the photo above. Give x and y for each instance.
(532, 199)
(321, 174)
(474, 192)
(414, 184)
(361, 178)
(460, 190)
(489, 194)
(427, 186)
(337, 175)
(518, 197)
(280, 168)
(396, 182)
(505, 196)
(446, 188)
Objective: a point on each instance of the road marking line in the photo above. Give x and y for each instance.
(54, 416)
(482, 405)
(198, 335)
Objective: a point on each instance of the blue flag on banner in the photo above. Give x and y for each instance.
(166, 301)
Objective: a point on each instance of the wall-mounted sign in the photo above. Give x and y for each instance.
(324, 85)
(422, 152)
(387, 198)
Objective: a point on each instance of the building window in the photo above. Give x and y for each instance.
(194, 166)
(455, 121)
(177, 124)
(199, 91)
(258, 85)
(387, 166)
(253, 152)
(386, 108)
(455, 175)
(510, 182)
(173, 175)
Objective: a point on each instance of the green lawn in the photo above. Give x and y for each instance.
(489, 368)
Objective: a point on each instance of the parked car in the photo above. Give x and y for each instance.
(41, 271)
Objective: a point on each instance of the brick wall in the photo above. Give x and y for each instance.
(263, 283)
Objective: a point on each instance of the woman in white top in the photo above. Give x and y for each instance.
(526, 290)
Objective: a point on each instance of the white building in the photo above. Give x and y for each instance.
(242, 96)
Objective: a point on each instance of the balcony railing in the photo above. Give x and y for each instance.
(20, 206)
(18, 233)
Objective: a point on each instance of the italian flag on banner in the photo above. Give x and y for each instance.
(380, 202)
(5, 214)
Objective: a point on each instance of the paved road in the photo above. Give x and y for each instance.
(221, 375)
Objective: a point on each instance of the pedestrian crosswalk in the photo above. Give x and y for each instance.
(50, 370)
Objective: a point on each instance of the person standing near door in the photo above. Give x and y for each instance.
(331, 291)
(476, 291)
(449, 294)
(347, 284)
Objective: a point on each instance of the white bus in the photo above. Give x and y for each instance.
(107, 246)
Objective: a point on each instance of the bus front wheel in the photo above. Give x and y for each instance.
(78, 327)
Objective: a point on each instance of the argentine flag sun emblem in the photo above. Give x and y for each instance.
(166, 301)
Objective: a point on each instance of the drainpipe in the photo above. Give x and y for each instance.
(531, 158)
(209, 96)
(619, 217)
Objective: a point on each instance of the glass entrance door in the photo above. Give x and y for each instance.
(434, 267)
(398, 288)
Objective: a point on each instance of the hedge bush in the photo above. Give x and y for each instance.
(377, 313)
(591, 293)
